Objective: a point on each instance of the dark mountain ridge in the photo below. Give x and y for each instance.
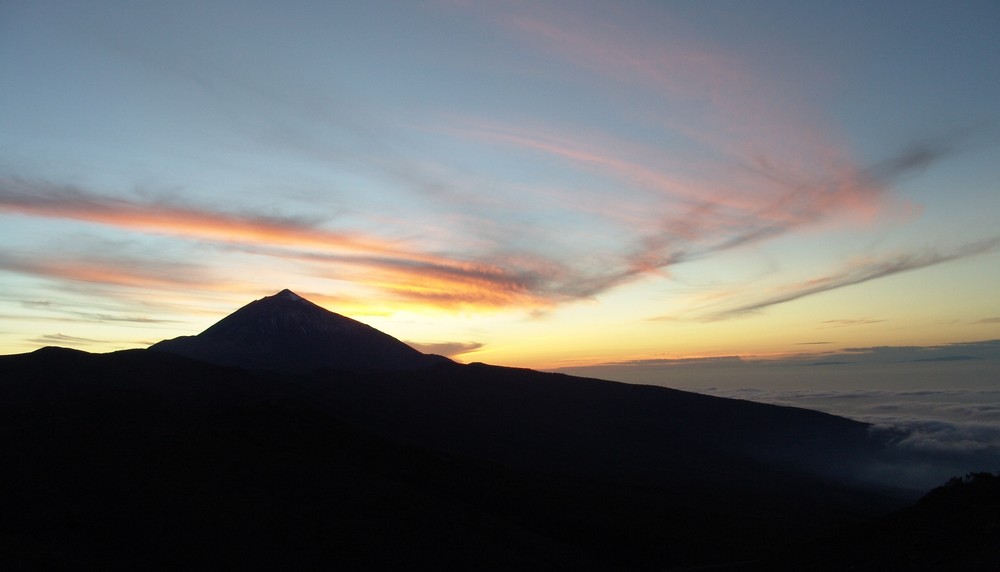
(157, 459)
(153, 460)
(955, 526)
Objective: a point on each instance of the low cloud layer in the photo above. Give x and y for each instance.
(937, 407)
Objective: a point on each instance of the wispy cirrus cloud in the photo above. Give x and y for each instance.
(63, 339)
(728, 158)
(856, 272)
(697, 217)
(745, 163)
(42, 199)
(706, 100)
(845, 322)
(471, 279)
(734, 160)
(92, 317)
(487, 280)
(481, 279)
(114, 271)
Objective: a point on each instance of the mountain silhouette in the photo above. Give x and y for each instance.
(285, 332)
(150, 460)
(955, 526)
(287, 436)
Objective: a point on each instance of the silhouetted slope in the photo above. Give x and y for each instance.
(139, 460)
(286, 332)
(953, 527)
(144, 459)
(289, 437)
(557, 422)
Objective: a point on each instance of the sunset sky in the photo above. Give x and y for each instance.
(538, 184)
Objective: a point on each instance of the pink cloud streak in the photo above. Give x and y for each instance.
(386, 266)
(777, 160)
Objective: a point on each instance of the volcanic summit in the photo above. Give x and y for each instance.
(287, 333)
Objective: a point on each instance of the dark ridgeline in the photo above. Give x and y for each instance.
(953, 527)
(286, 332)
(337, 446)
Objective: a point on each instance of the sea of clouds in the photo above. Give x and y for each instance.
(938, 407)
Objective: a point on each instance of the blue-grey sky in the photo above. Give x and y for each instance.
(531, 183)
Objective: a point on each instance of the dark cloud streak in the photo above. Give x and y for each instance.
(64, 339)
(858, 274)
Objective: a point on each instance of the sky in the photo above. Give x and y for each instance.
(539, 184)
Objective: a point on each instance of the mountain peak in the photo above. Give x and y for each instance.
(286, 332)
(287, 295)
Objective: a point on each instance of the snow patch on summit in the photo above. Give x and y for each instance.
(287, 294)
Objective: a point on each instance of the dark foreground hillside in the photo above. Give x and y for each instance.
(953, 527)
(147, 460)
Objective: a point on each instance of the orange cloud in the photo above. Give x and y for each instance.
(403, 274)
(120, 272)
(504, 283)
(164, 218)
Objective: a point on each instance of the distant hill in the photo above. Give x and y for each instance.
(151, 459)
